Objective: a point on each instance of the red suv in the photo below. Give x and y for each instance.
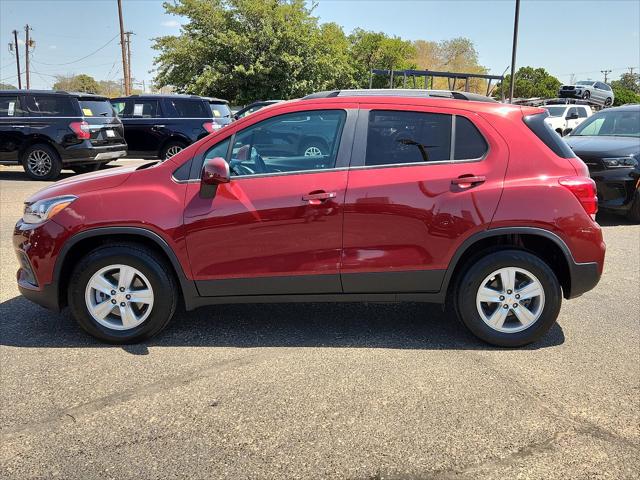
(420, 196)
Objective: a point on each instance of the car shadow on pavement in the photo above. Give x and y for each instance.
(20, 176)
(606, 219)
(337, 325)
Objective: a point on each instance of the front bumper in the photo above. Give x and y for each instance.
(616, 187)
(570, 94)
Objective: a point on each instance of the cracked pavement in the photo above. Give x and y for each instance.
(359, 391)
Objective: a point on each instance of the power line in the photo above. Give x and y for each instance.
(80, 59)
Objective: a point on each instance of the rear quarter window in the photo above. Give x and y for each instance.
(469, 144)
(186, 108)
(52, 106)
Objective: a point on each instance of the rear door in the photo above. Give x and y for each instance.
(185, 117)
(143, 126)
(13, 128)
(421, 181)
(105, 127)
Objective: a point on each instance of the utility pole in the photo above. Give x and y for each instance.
(28, 43)
(15, 38)
(605, 73)
(513, 51)
(129, 81)
(127, 88)
(631, 69)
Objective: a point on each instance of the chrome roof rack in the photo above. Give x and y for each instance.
(401, 92)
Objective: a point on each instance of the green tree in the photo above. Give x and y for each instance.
(244, 50)
(624, 95)
(531, 83)
(76, 83)
(7, 86)
(629, 81)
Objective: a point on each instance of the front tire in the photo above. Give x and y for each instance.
(41, 162)
(586, 95)
(122, 293)
(508, 298)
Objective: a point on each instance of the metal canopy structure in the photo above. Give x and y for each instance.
(452, 78)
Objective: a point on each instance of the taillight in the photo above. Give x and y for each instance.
(211, 127)
(81, 129)
(584, 188)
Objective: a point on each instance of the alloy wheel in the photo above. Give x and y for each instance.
(172, 150)
(510, 300)
(312, 151)
(119, 297)
(39, 163)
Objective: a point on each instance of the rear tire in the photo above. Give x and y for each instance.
(96, 285)
(634, 212)
(539, 312)
(171, 148)
(41, 162)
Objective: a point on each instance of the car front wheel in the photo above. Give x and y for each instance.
(508, 298)
(122, 293)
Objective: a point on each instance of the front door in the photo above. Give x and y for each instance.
(276, 228)
(14, 130)
(143, 127)
(421, 182)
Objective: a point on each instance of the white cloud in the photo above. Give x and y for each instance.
(171, 23)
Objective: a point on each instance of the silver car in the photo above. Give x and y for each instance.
(597, 92)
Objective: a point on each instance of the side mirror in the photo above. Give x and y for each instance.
(214, 172)
(573, 116)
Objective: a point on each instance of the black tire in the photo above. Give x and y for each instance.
(150, 265)
(51, 164)
(86, 168)
(634, 211)
(172, 145)
(476, 271)
(314, 143)
(608, 102)
(586, 95)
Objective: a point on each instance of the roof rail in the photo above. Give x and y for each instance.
(401, 92)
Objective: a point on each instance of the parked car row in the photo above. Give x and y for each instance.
(47, 131)
(598, 92)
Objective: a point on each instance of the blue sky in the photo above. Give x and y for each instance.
(565, 37)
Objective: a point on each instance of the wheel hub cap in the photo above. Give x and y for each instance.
(510, 299)
(119, 297)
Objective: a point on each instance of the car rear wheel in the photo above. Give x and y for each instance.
(171, 148)
(508, 298)
(634, 212)
(608, 102)
(122, 293)
(41, 162)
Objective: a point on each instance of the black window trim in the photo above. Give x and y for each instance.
(343, 155)
(358, 157)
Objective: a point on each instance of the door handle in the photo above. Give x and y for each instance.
(468, 180)
(316, 198)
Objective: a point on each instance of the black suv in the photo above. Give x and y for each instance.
(159, 126)
(47, 131)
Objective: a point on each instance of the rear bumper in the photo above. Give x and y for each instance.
(87, 153)
(584, 277)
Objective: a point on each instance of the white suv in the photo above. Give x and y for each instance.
(564, 118)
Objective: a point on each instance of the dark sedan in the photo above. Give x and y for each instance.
(609, 143)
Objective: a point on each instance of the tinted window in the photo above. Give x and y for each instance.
(470, 143)
(189, 108)
(143, 109)
(10, 107)
(220, 110)
(571, 111)
(555, 111)
(118, 106)
(548, 135)
(288, 143)
(51, 106)
(407, 137)
(623, 123)
(96, 108)
(582, 112)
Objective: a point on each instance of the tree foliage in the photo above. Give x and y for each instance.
(245, 50)
(7, 86)
(530, 83)
(628, 81)
(76, 83)
(624, 95)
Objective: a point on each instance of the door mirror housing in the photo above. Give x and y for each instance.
(214, 172)
(573, 116)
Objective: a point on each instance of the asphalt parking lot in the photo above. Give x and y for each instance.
(361, 391)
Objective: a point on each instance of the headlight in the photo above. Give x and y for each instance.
(43, 210)
(620, 162)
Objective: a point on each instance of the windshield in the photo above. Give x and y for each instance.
(96, 108)
(617, 123)
(584, 83)
(220, 110)
(555, 111)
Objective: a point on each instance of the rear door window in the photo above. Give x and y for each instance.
(396, 137)
(96, 108)
(51, 105)
(582, 112)
(188, 108)
(10, 106)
